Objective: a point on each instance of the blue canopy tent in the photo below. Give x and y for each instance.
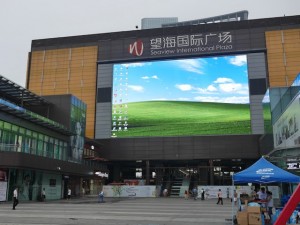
(264, 172)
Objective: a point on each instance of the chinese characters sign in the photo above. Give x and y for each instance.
(194, 43)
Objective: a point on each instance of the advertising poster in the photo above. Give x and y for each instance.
(3, 191)
(129, 191)
(286, 129)
(78, 122)
(3, 184)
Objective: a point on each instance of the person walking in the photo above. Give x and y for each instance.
(69, 193)
(186, 195)
(101, 197)
(43, 195)
(220, 198)
(15, 201)
(202, 194)
(270, 206)
(195, 193)
(235, 197)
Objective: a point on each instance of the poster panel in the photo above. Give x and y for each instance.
(3, 191)
(129, 191)
(286, 129)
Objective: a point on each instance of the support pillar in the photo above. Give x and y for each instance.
(211, 172)
(147, 172)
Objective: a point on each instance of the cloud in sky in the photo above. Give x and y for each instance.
(212, 88)
(138, 64)
(231, 99)
(228, 85)
(183, 99)
(222, 80)
(152, 77)
(191, 65)
(184, 87)
(223, 89)
(239, 60)
(136, 88)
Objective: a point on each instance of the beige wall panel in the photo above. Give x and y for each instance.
(278, 49)
(79, 64)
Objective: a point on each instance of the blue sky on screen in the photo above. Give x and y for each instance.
(215, 79)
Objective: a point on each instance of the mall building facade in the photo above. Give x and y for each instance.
(91, 67)
(40, 151)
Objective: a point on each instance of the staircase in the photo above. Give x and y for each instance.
(176, 186)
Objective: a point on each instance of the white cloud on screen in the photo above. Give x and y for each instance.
(232, 99)
(183, 99)
(212, 88)
(222, 80)
(138, 64)
(184, 87)
(136, 88)
(191, 65)
(152, 77)
(238, 60)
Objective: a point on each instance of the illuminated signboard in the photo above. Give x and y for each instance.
(199, 96)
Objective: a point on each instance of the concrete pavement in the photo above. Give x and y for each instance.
(118, 211)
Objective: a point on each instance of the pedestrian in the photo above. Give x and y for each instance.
(235, 197)
(16, 201)
(220, 198)
(43, 195)
(101, 197)
(195, 193)
(69, 193)
(202, 194)
(270, 206)
(186, 194)
(262, 195)
(165, 192)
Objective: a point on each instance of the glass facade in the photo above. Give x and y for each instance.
(267, 113)
(31, 183)
(19, 139)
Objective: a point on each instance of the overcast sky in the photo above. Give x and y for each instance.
(22, 21)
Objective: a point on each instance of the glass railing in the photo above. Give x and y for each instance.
(31, 114)
(33, 151)
(29, 150)
(284, 102)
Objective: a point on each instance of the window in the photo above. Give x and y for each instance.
(52, 182)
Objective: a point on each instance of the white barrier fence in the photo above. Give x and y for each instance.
(129, 191)
(153, 191)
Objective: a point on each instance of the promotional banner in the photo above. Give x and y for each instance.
(3, 191)
(286, 129)
(129, 191)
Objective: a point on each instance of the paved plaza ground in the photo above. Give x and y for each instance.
(118, 211)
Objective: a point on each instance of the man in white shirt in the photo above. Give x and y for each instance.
(16, 201)
(262, 195)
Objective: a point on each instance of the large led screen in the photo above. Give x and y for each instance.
(200, 96)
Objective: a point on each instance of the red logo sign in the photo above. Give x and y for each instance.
(136, 48)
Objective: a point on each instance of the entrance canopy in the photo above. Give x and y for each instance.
(263, 171)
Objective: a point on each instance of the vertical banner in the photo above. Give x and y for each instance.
(3, 185)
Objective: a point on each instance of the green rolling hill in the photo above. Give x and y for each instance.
(176, 118)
